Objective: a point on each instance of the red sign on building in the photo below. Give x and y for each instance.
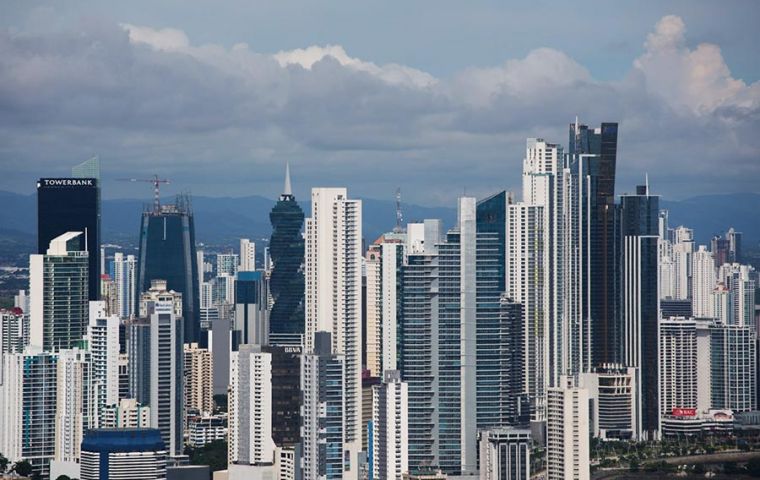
(684, 412)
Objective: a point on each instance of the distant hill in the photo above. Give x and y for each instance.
(223, 220)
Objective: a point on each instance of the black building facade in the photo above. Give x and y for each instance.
(286, 395)
(604, 241)
(71, 205)
(639, 229)
(167, 251)
(286, 249)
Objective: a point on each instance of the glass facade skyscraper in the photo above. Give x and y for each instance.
(603, 238)
(71, 205)
(167, 252)
(286, 250)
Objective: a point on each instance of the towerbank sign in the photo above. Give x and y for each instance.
(67, 182)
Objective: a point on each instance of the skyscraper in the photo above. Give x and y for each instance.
(568, 449)
(135, 453)
(28, 397)
(334, 296)
(75, 411)
(164, 309)
(58, 291)
(602, 237)
(390, 423)
(167, 252)
(703, 282)
(252, 314)
(103, 335)
(124, 275)
(322, 411)
(71, 205)
(640, 310)
(733, 367)
(250, 434)
(286, 251)
(247, 255)
(198, 378)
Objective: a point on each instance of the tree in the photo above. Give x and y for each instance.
(3, 463)
(213, 454)
(23, 468)
(633, 464)
(63, 477)
(753, 467)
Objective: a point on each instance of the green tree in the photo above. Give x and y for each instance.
(23, 468)
(634, 465)
(3, 463)
(63, 477)
(213, 454)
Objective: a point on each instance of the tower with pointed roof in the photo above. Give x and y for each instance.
(286, 284)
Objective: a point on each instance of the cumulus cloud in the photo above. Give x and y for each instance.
(697, 79)
(223, 120)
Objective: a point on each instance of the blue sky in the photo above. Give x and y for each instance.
(435, 97)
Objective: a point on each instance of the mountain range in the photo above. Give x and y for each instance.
(223, 220)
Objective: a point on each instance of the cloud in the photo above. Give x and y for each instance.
(222, 120)
(697, 79)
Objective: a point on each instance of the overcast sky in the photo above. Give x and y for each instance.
(434, 97)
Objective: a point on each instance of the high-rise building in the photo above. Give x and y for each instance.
(138, 354)
(703, 282)
(14, 332)
(227, 264)
(683, 249)
(71, 205)
(390, 423)
(198, 378)
(740, 282)
(167, 252)
(602, 241)
(505, 454)
(28, 397)
(615, 407)
(103, 336)
(384, 261)
(75, 410)
(679, 355)
(567, 450)
(247, 255)
(528, 285)
(58, 291)
(286, 395)
(333, 301)
(124, 274)
(322, 411)
(639, 307)
(127, 413)
(544, 182)
(250, 407)
(733, 367)
(286, 253)
(251, 310)
(734, 245)
(164, 309)
(134, 453)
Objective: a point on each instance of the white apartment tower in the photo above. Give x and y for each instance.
(333, 296)
(247, 255)
(703, 283)
(250, 407)
(75, 403)
(164, 309)
(390, 427)
(568, 432)
(527, 285)
(124, 276)
(103, 334)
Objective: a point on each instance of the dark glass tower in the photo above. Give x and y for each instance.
(604, 240)
(71, 205)
(286, 249)
(167, 251)
(640, 235)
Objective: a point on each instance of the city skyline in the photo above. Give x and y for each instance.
(682, 93)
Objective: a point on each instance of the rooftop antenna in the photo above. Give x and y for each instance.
(287, 191)
(646, 182)
(399, 214)
(156, 189)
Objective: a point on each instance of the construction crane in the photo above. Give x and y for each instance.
(156, 188)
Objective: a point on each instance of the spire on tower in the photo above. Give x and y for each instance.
(287, 191)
